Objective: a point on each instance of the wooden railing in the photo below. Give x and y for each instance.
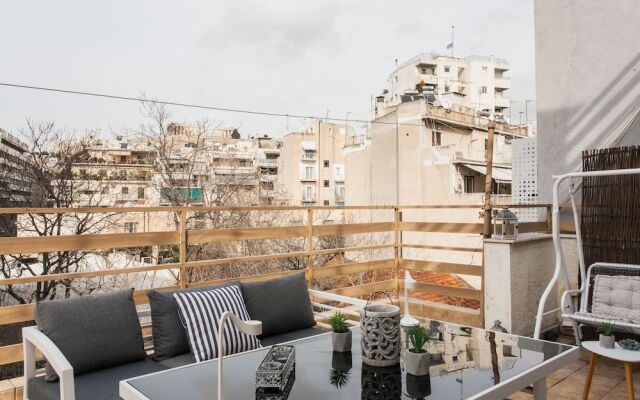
(394, 243)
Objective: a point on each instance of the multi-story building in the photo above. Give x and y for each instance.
(15, 184)
(476, 82)
(420, 153)
(311, 166)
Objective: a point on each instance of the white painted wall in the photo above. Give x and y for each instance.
(587, 81)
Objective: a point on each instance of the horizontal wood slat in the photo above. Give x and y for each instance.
(348, 229)
(442, 267)
(365, 289)
(11, 354)
(445, 290)
(446, 248)
(532, 227)
(251, 278)
(43, 244)
(16, 314)
(441, 227)
(228, 235)
(352, 268)
(87, 274)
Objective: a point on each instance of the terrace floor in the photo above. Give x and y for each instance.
(608, 381)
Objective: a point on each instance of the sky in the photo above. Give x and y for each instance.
(303, 57)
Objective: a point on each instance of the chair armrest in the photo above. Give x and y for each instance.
(32, 338)
(564, 303)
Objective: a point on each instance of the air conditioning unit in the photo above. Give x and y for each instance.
(458, 155)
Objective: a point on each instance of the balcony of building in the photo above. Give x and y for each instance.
(502, 82)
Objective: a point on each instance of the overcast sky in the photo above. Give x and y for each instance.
(309, 57)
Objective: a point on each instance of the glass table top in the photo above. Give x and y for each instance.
(464, 361)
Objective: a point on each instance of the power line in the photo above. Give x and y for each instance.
(188, 105)
(214, 108)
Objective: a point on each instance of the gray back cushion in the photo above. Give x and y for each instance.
(93, 332)
(169, 337)
(616, 297)
(282, 304)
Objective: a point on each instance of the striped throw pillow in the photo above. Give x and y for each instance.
(200, 313)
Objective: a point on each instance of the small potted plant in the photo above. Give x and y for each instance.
(341, 334)
(607, 340)
(416, 358)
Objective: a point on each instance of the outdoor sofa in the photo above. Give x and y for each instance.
(91, 343)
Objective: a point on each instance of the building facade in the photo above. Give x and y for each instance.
(15, 184)
(475, 82)
(311, 165)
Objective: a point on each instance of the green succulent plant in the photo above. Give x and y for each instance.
(338, 322)
(607, 329)
(418, 336)
(339, 378)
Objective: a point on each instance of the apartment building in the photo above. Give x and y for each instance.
(15, 186)
(476, 82)
(421, 153)
(186, 166)
(311, 165)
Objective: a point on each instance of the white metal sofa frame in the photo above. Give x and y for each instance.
(560, 267)
(33, 339)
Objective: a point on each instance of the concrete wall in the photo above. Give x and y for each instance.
(516, 274)
(587, 81)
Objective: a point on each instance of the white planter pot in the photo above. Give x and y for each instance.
(607, 342)
(417, 364)
(341, 341)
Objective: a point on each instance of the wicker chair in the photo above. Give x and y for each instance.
(611, 293)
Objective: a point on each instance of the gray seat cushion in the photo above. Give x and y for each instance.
(97, 385)
(289, 336)
(282, 304)
(93, 332)
(169, 337)
(177, 361)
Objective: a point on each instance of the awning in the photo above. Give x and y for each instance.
(306, 145)
(497, 173)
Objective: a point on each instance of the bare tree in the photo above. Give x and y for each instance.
(50, 168)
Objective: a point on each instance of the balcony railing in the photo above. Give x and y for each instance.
(371, 251)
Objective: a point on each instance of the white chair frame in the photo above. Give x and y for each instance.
(560, 267)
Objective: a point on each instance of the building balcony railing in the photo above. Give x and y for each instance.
(379, 238)
(309, 156)
(503, 83)
(308, 177)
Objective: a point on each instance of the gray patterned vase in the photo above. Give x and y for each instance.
(380, 324)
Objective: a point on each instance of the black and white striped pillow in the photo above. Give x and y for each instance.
(200, 313)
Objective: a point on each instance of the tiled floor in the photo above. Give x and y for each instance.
(608, 382)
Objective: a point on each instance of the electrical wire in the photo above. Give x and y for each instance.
(189, 105)
(215, 108)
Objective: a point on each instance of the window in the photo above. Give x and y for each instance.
(326, 202)
(483, 90)
(447, 68)
(326, 183)
(436, 138)
(140, 193)
(125, 190)
(123, 145)
(446, 88)
(326, 163)
(309, 173)
(486, 144)
(130, 227)
(485, 69)
(469, 182)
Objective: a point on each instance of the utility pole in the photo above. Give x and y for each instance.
(488, 184)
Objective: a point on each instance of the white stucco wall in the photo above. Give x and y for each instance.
(587, 81)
